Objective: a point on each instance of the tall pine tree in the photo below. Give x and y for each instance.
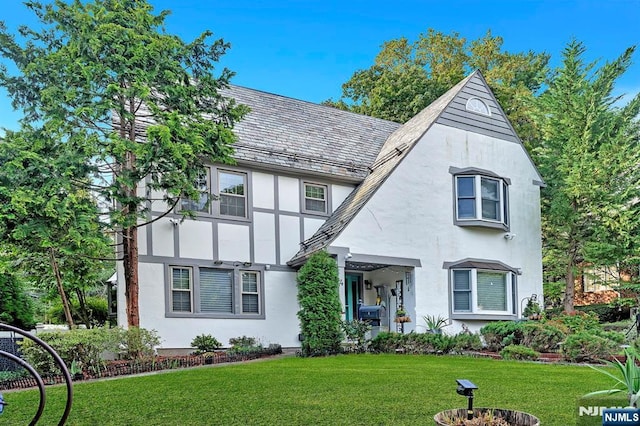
(588, 156)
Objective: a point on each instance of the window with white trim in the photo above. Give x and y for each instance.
(181, 289)
(481, 201)
(232, 193)
(214, 292)
(315, 198)
(477, 105)
(482, 291)
(202, 203)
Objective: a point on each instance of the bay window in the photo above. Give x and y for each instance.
(481, 199)
(481, 288)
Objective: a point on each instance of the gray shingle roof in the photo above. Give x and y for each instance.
(286, 133)
(392, 153)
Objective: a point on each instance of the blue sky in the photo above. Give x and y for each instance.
(307, 49)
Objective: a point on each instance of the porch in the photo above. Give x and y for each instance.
(378, 281)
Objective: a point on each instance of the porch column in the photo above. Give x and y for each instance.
(341, 261)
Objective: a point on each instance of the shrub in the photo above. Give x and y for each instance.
(242, 342)
(578, 321)
(542, 337)
(585, 346)
(97, 309)
(499, 334)
(205, 343)
(385, 342)
(608, 312)
(137, 343)
(443, 343)
(413, 343)
(320, 313)
(83, 348)
(519, 352)
(467, 342)
(355, 332)
(16, 308)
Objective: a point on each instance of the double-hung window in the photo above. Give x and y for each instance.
(201, 204)
(232, 190)
(481, 200)
(181, 289)
(315, 198)
(250, 292)
(214, 292)
(482, 288)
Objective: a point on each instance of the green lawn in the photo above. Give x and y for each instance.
(342, 390)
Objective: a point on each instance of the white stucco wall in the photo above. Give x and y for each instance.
(311, 225)
(411, 216)
(196, 239)
(233, 242)
(163, 237)
(288, 194)
(262, 190)
(338, 194)
(279, 326)
(264, 235)
(289, 237)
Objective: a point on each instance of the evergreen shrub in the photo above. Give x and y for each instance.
(321, 312)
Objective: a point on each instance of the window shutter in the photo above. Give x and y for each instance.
(492, 291)
(462, 291)
(216, 291)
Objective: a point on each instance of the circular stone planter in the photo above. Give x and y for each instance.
(458, 416)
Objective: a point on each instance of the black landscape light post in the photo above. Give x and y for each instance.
(466, 388)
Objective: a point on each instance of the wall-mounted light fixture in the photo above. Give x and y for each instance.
(367, 285)
(348, 256)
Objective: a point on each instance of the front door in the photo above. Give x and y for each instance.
(352, 295)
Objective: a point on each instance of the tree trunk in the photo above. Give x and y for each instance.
(63, 295)
(130, 244)
(130, 233)
(84, 313)
(570, 288)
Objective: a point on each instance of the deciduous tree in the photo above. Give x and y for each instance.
(407, 76)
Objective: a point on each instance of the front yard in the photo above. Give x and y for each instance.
(338, 390)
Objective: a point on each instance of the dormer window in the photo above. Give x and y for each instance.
(478, 106)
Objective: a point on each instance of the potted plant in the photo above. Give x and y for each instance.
(485, 416)
(532, 310)
(435, 324)
(401, 315)
(481, 416)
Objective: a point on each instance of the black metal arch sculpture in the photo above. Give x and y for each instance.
(36, 376)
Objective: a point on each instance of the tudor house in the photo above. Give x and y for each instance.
(440, 215)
